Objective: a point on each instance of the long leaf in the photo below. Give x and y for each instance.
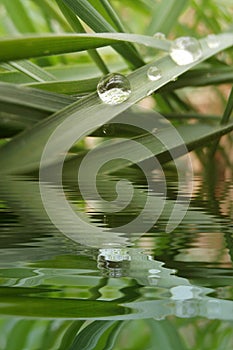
(194, 136)
(15, 48)
(33, 98)
(24, 152)
(169, 9)
(84, 10)
(32, 70)
(77, 27)
(19, 15)
(68, 87)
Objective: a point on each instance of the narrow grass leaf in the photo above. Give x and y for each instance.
(19, 16)
(85, 116)
(165, 16)
(201, 77)
(113, 15)
(68, 87)
(84, 10)
(15, 48)
(78, 27)
(193, 136)
(32, 70)
(34, 98)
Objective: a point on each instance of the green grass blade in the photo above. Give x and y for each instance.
(165, 16)
(113, 15)
(77, 27)
(202, 77)
(225, 118)
(32, 98)
(68, 87)
(19, 16)
(15, 48)
(52, 12)
(84, 10)
(77, 71)
(194, 136)
(89, 114)
(32, 70)
(228, 110)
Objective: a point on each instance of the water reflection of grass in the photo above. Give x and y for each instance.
(148, 334)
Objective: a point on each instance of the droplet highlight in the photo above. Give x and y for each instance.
(185, 50)
(154, 73)
(212, 41)
(160, 36)
(114, 88)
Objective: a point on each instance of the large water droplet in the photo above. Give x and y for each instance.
(185, 50)
(212, 41)
(154, 73)
(114, 88)
(160, 36)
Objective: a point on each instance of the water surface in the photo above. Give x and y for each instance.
(141, 287)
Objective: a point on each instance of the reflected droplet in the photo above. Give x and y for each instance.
(212, 41)
(154, 73)
(174, 78)
(114, 262)
(186, 308)
(154, 130)
(114, 88)
(213, 309)
(185, 50)
(114, 254)
(160, 36)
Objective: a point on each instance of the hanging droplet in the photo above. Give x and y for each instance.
(108, 129)
(160, 36)
(185, 50)
(114, 88)
(212, 41)
(154, 73)
(174, 78)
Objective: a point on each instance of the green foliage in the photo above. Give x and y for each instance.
(29, 107)
(51, 62)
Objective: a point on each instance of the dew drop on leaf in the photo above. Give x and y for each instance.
(159, 35)
(212, 41)
(154, 73)
(185, 50)
(114, 88)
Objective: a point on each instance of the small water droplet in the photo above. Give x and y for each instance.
(160, 36)
(108, 129)
(212, 41)
(154, 73)
(114, 88)
(185, 50)
(174, 78)
(149, 92)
